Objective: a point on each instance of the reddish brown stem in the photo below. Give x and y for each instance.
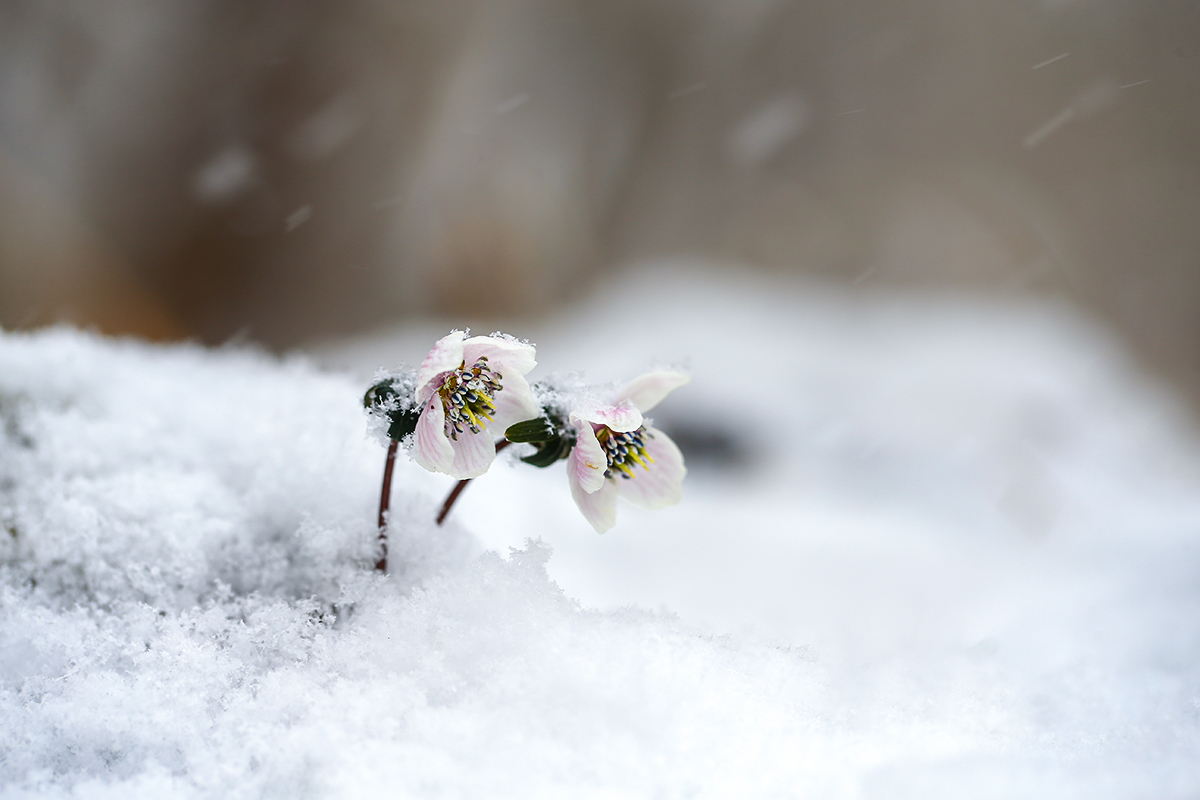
(458, 487)
(385, 499)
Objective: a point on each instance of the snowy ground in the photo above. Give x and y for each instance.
(929, 547)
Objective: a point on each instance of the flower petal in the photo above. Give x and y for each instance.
(587, 461)
(598, 507)
(473, 454)
(647, 391)
(621, 418)
(514, 403)
(504, 355)
(446, 355)
(431, 448)
(661, 484)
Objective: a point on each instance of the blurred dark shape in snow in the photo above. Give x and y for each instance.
(708, 443)
(476, 157)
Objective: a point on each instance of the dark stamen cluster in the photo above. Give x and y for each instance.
(623, 451)
(468, 395)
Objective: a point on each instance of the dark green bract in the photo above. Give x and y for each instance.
(532, 430)
(549, 435)
(383, 398)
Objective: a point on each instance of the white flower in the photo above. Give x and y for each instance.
(469, 391)
(617, 453)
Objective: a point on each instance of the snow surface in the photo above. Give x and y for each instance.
(930, 546)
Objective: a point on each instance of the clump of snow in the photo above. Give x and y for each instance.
(508, 337)
(957, 558)
(401, 397)
(558, 393)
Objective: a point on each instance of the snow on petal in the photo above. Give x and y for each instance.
(587, 461)
(473, 454)
(446, 355)
(648, 390)
(621, 418)
(661, 483)
(599, 507)
(514, 403)
(505, 355)
(431, 448)
(583, 410)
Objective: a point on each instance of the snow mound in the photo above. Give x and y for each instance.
(965, 566)
(189, 610)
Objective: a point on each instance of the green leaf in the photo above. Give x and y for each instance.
(550, 452)
(402, 423)
(531, 430)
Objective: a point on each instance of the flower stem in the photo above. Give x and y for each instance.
(385, 499)
(458, 488)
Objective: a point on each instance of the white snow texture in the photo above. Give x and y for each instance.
(929, 547)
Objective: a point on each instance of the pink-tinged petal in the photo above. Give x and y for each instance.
(661, 484)
(587, 461)
(647, 391)
(514, 403)
(504, 355)
(598, 507)
(473, 454)
(446, 355)
(431, 448)
(583, 411)
(622, 418)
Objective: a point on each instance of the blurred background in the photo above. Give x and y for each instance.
(919, 256)
(286, 171)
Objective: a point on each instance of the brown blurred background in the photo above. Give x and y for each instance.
(285, 170)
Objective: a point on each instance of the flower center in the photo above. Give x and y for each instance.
(468, 395)
(624, 450)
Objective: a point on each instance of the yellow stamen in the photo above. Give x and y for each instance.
(633, 455)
